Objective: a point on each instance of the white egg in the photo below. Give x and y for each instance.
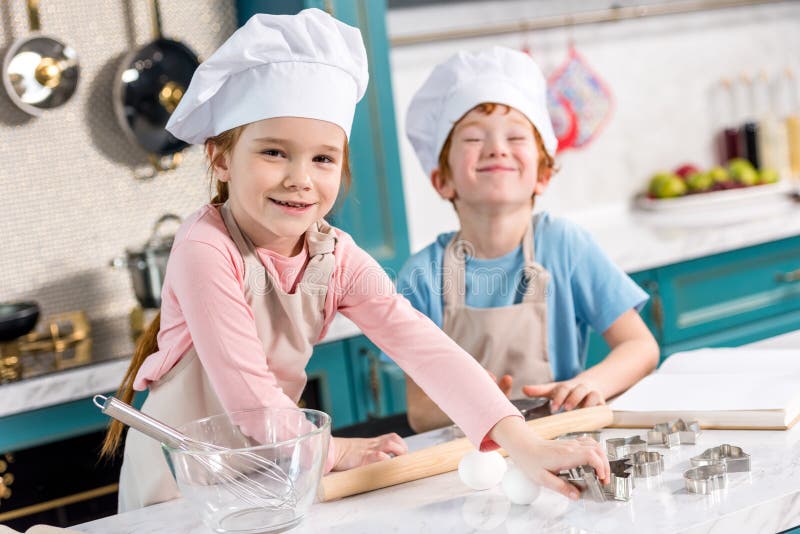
(518, 487)
(481, 470)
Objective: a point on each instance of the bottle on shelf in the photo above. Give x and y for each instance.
(728, 137)
(773, 147)
(748, 134)
(792, 119)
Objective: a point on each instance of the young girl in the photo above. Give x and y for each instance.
(255, 278)
(516, 292)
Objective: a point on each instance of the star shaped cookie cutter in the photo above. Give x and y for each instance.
(706, 479)
(621, 447)
(674, 433)
(619, 488)
(734, 458)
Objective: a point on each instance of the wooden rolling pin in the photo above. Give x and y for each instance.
(444, 457)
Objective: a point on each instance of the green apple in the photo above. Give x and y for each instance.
(718, 174)
(747, 177)
(699, 181)
(656, 181)
(670, 186)
(768, 176)
(742, 171)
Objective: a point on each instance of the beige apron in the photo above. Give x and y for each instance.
(508, 339)
(288, 325)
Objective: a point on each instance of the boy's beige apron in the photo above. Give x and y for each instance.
(288, 325)
(508, 339)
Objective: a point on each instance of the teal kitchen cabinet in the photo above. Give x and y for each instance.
(722, 300)
(53, 423)
(348, 380)
(372, 211)
(731, 298)
(330, 383)
(651, 313)
(380, 385)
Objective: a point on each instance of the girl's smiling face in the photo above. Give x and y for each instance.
(493, 161)
(283, 174)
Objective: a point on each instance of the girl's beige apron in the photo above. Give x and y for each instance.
(508, 339)
(288, 325)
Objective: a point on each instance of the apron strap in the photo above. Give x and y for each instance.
(454, 276)
(246, 247)
(321, 242)
(454, 270)
(536, 277)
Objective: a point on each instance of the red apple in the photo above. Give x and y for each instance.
(685, 170)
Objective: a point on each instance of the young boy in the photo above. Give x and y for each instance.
(517, 292)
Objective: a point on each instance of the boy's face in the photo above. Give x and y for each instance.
(493, 160)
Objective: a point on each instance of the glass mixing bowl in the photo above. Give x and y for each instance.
(260, 473)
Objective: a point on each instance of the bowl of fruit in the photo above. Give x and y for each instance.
(688, 185)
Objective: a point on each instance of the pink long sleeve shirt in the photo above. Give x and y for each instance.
(203, 304)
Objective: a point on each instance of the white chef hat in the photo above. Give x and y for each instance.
(306, 65)
(499, 75)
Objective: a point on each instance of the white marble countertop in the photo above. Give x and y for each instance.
(765, 500)
(634, 239)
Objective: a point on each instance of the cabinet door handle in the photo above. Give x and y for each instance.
(374, 381)
(791, 276)
(656, 307)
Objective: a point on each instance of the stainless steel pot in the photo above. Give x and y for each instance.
(39, 72)
(148, 265)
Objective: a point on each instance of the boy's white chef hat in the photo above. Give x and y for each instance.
(306, 65)
(499, 75)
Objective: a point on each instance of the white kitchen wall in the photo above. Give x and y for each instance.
(662, 72)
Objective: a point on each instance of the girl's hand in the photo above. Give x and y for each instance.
(354, 452)
(541, 460)
(569, 394)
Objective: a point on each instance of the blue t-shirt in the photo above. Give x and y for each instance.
(586, 288)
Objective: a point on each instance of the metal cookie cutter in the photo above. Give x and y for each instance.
(619, 488)
(647, 464)
(734, 458)
(674, 433)
(706, 479)
(621, 447)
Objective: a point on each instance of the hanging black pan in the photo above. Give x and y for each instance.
(150, 82)
(39, 72)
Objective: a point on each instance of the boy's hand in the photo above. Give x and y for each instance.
(354, 452)
(569, 394)
(504, 383)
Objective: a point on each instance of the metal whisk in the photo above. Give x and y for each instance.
(235, 477)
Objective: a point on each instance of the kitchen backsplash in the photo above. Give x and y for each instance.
(70, 199)
(660, 70)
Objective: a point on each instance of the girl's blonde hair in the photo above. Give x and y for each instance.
(147, 343)
(546, 162)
